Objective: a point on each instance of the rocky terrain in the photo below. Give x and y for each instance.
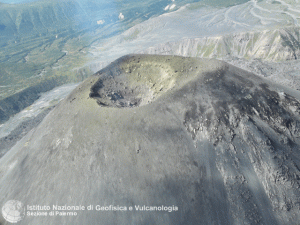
(218, 142)
(270, 45)
(273, 54)
(69, 40)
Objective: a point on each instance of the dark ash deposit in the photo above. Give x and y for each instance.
(219, 143)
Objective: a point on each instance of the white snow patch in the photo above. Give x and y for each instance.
(167, 7)
(172, 6)
(121, 16)
(281, 93)
(101, 21)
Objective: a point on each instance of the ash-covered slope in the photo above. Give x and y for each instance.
(218, 142)
(270, 45)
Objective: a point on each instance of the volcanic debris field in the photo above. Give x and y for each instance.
(220, 143)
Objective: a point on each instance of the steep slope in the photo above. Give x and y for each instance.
(270, 53)
(270, 45)
(48, 40)
(198, 21)
(219, 143)
(40, 18)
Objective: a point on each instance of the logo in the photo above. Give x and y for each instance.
(13, 211)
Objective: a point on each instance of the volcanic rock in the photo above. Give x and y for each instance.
(217, 143)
